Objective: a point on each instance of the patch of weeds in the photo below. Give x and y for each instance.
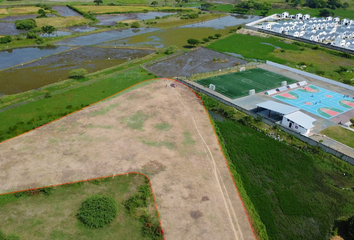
(99, 126)
(103, 111)
(137, 120)
(163, 126)
(53, 140)
(187, 139)
(169, 145)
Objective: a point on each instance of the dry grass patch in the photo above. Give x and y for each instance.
(23, 10)
(3, 11)
(340, 134)
(61, 21)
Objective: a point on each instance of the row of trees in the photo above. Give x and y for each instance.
(332, 4)
(195, 42)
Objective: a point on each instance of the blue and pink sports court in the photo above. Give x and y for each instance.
(318, 101)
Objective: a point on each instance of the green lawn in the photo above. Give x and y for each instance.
(340, 134)
(54, 216)
(222, 7)
(238, 84)
(39, 112)
(298, 194)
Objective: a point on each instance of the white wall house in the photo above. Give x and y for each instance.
(306, 17)
(299, 16)
(285, 15)
(329, 18)
(336, 19)
(299, 122)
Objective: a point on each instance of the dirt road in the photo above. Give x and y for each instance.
(161, 131)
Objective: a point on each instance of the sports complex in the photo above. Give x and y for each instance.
(238, 84)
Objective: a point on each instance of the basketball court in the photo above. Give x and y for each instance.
(318, 101)
(238, 84)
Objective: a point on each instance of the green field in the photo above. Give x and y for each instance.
(340, 134)
(319, 61)
(297, 193)
(234, 85)
(39, 215)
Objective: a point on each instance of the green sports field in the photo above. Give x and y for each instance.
(235, 85)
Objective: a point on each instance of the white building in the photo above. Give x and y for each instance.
(306, 17)
(299, 122)
(299, 16)
(285, 15)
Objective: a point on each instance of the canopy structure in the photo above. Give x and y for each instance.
(277, 107)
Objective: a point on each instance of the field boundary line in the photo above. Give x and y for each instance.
(90, 179)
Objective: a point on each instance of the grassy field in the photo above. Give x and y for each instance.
(320, 61)
(298, 196)
(175, 21)
(124, 9)
(23, 10)
(60, 22)
(39, 112)
(238, 84)
(222, 7)
(340, 134)
(54, 216)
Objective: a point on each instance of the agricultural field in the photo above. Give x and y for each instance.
(317, 61)
(139, 131)
(340, 134)
(23, 10)
(62, 22)
(54, 210)
(298, 196)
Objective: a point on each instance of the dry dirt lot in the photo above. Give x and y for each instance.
(161, 131)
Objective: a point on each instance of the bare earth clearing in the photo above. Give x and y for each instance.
(161, 131)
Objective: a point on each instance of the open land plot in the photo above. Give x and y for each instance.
(23, 10)
(161, 131)
(238, 84)
(340, 134)
(60, 22)
(53, 216)
(198, 61)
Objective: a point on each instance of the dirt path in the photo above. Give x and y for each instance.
(161, 131)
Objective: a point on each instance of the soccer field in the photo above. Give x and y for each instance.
(235, 85)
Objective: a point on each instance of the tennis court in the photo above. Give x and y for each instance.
(318, 101)
(235, 85)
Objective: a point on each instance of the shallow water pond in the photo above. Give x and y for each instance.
(16, 56)
(9, 28)
(65, 11)
(56, 34)
(101, 37)
(112, 19)
(57, 67)
(18, 17)
(81, 29)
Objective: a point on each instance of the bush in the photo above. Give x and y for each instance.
(25, 24)
(77, 73)
(39, 40)
(2, 235)
(135, 25)
(97, 211)
(12, 237)
(5, 39)
(31, 35)
(351, 228)
(171, 49)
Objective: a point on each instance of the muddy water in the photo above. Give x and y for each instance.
(18, 17)
(57, 67)
(168, 37)
(65, 11)
(8, 28)
(223, 22)
(97, 38)
(112, 19)
(13, 57)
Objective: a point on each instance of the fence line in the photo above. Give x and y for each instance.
(322, 79)
(221, 98)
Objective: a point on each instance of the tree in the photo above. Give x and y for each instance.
(77, 73)
(217, 35)
(97, 2)
(352, 121)
(206, 6)
(206, 39)
(193, 41)
(135, 25)
(41, 13)
(154, 3)
(48, 29)
(351, 228)
(211, 37)
(25, 24)
(171, 49)
(326, 13)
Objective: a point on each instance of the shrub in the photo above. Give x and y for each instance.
(352, 120)
(135, 25)
(25, 24)
(2, 235)
(97, 211)
(39, 40)
(77, 73)
(351, 228)
(12, 237)
(31, 35)
(171, 49)
(5, 39)
(46, 191)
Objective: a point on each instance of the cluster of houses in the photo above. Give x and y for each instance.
(335, 31)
